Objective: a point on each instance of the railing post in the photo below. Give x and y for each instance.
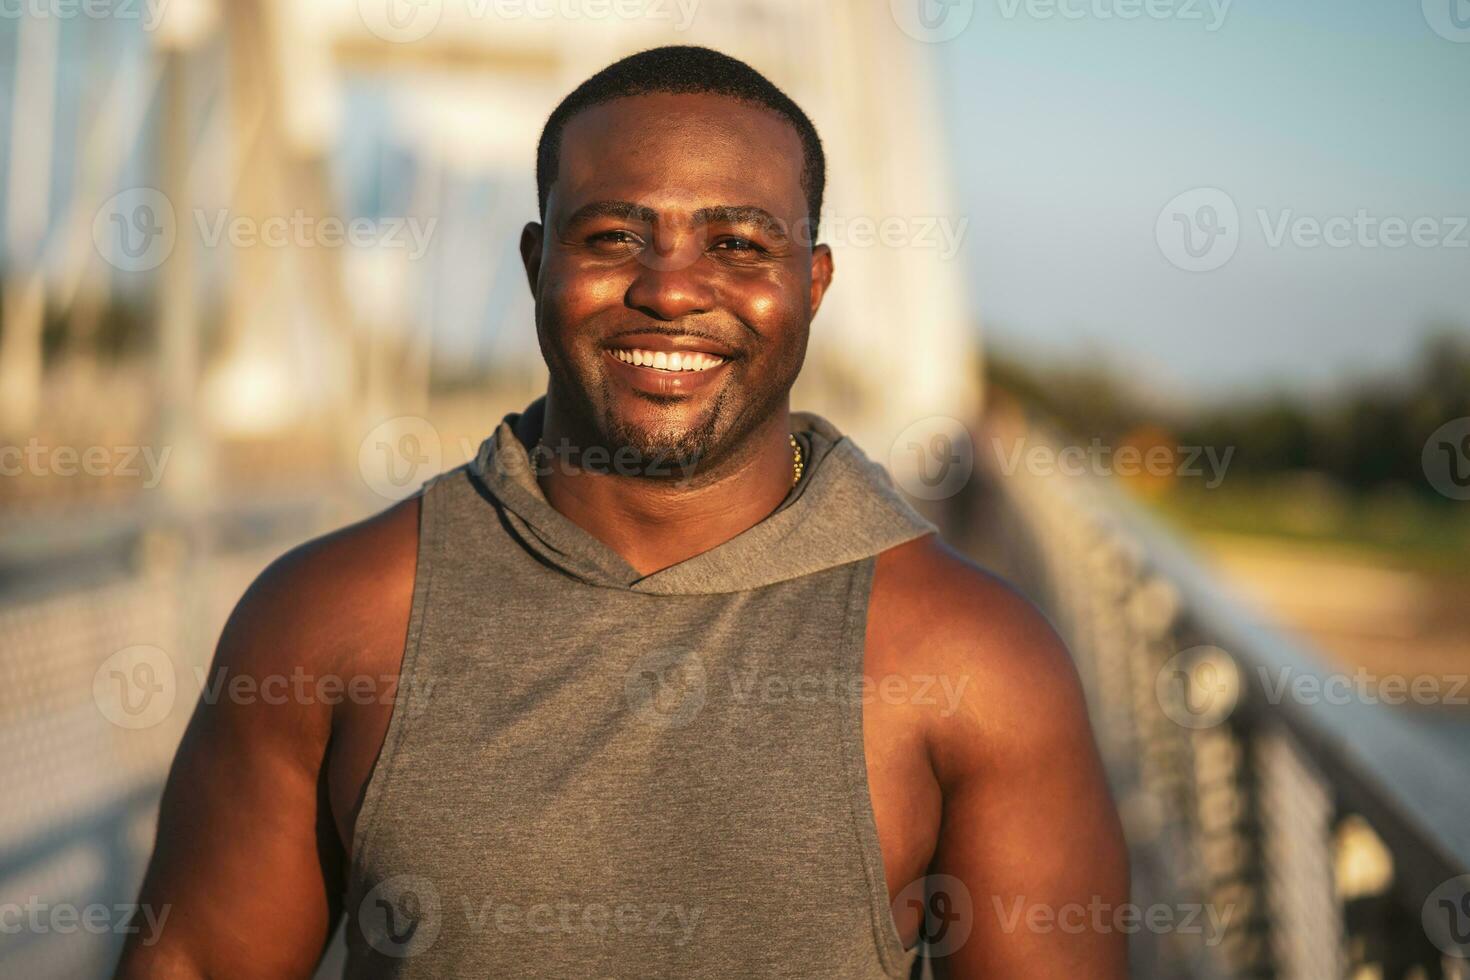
(1297, 815)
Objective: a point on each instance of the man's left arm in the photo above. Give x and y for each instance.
(1028, 824)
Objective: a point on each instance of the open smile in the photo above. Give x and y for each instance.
(666, 366)
(667, 360)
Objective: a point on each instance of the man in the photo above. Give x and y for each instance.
(677, 685)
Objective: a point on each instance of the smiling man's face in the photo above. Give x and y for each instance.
(675, 279)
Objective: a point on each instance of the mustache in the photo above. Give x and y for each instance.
(731, 348)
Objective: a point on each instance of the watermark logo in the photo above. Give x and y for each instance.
(932, 21)
(1362, 230)
(36, 458)
(1199, 230)
(1211, 922)
(406, 21)
(147, 12)
(756, 686)
(666, 689)
(667, 234)
(1159, 10)
(135, 687)
(135, 229)
(941, 234)
(948, 913)
(1450, 19)
(1446, 917)
(302, 688)
(400, 917)
(301, 229)
(654, 920)
(1446, 459)
(1362, 687)
(400, 21)
(36, 916)
(398, 455)
(933, 458)
(1198, 687)
(1159, 460)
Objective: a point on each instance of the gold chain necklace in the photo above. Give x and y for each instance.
(796, 465)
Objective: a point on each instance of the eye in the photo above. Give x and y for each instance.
(738, 245)
(618, 236)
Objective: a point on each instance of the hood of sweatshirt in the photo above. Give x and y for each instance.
(844, 509)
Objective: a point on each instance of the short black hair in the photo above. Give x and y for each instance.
(682, 69)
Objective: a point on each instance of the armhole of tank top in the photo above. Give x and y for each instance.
(897, 962)
(403, 707)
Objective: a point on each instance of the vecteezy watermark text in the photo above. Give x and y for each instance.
(1201, 229)
(1097, 916)
(137, 229)
(38, 459)
(1363, 230)
(406, 21)
(1211, 13)
(302, 230)
(1200, 687)
(403, 915)
(148, 12)
(138, 687)
(1099, 459)
(938, 690)
(595, 918)
(38, 916)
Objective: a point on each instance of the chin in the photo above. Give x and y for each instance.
(673, 432)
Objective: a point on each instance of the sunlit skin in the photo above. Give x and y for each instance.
(691, 234)
(1000, 788)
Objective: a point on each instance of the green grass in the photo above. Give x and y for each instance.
(1400, 529)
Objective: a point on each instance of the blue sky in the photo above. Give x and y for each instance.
(1071, 135)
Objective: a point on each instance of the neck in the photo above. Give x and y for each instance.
(657, 522)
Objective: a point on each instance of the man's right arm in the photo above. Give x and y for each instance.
(247, 871)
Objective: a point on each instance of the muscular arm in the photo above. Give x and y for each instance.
(248, 862)
(1027, 822)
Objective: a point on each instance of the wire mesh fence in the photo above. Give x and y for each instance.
(1330, 837)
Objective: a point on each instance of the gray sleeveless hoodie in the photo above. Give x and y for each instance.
(595, 773)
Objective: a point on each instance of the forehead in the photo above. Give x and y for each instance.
(685, 149)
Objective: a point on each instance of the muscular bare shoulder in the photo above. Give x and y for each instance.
(1012, 688)
(245, 845)
(316, 642)
(337, 604)
(355, 580)
(1027, 818)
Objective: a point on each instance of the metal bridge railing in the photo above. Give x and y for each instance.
(1334, 832)
(97, 682)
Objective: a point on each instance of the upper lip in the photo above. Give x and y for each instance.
(669, 343)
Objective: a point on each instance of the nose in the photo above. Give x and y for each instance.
(672, 280)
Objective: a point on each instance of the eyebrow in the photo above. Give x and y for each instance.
(613, 209)
(716, 214)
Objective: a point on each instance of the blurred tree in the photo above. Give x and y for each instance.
(1366, 438)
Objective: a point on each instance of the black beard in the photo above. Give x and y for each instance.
(669, 450)
(663, 451)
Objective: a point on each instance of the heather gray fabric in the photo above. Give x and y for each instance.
(595, 774)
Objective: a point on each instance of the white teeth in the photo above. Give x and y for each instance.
(665, 361)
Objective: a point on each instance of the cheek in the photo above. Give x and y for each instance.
(576, 294)
(775, 308)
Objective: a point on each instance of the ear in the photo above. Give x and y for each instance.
(531, 253)
(821, 275)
